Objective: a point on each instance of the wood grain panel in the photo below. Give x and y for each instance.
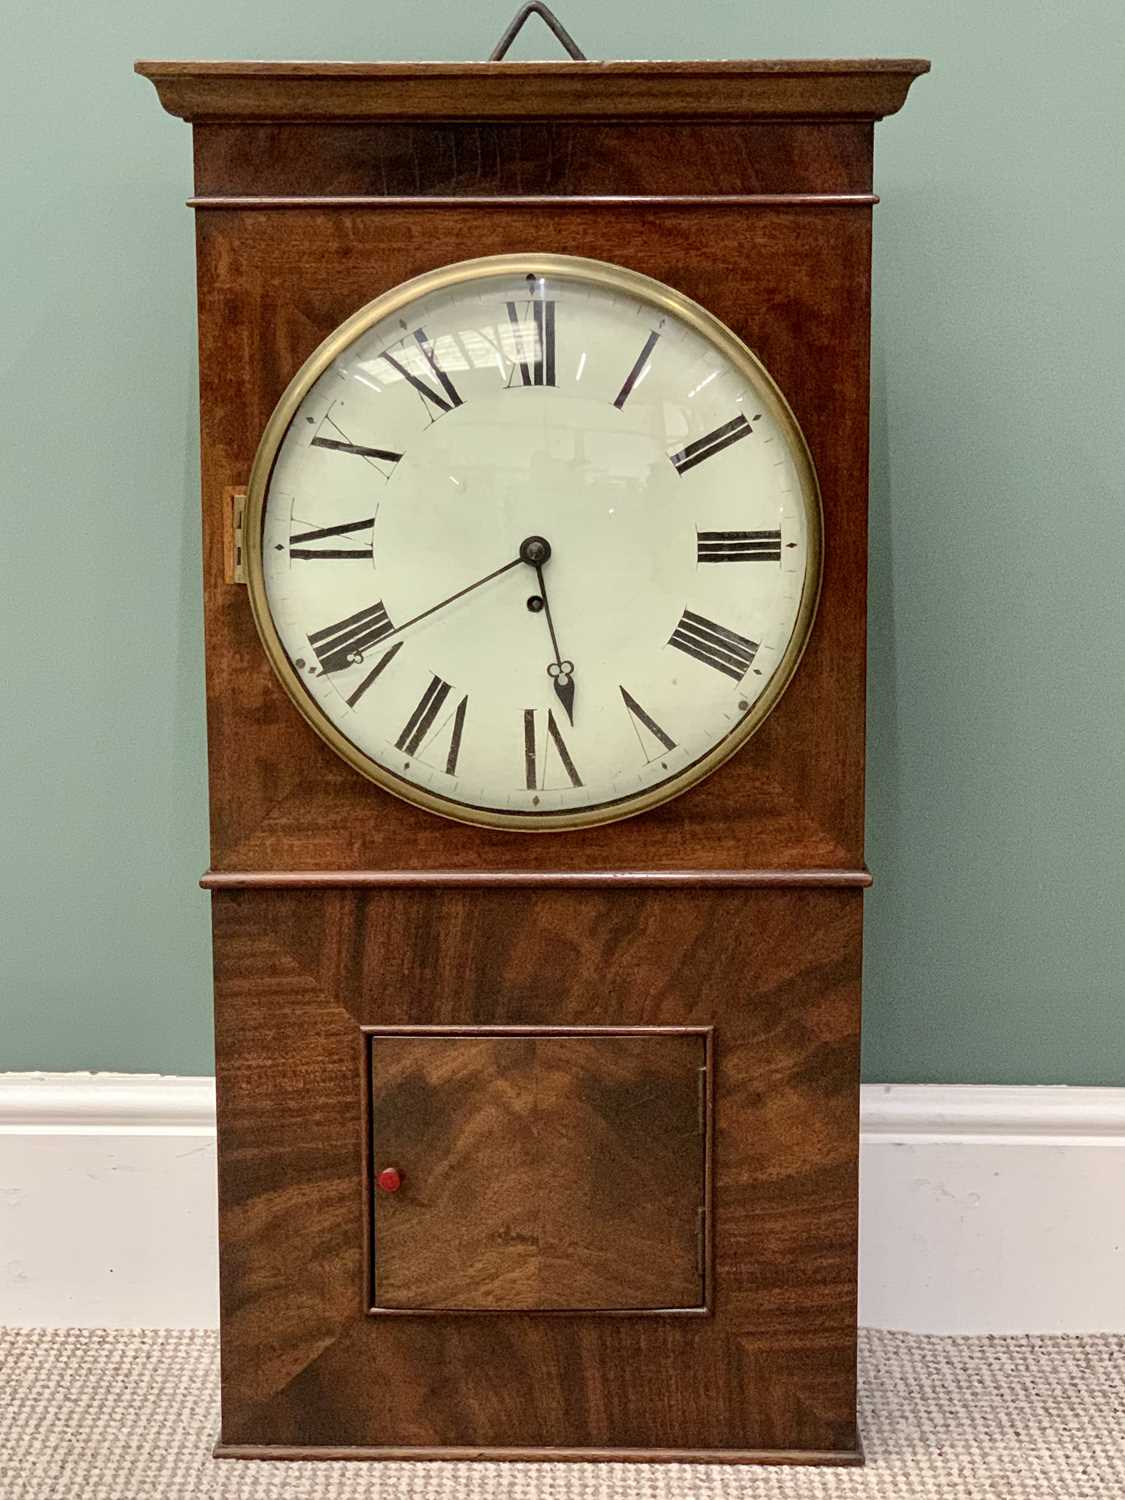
(564, 158)
(459, 1117)
(776, 971)
(287, 1183)
(541, 1171)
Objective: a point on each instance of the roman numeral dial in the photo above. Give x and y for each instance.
(338, 445)
(715, 645)
(706, 447)
(636, 374)
(358, 532)
(343, 644)
(330, 437)
(431, 721)
(439, 392)
(653, 740)
(546, 759)
(738, 546)
(539, 547)
(534, 341)
(376, 671)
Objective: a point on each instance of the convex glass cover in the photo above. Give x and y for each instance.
(538, 541)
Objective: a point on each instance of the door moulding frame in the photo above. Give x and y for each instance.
(706, 1035)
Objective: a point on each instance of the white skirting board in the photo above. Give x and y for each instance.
(984, 1209)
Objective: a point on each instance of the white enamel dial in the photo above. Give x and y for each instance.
(539, 541)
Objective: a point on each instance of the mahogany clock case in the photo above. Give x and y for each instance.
(672, 1000)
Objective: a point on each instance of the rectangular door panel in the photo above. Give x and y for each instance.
(540, 1171)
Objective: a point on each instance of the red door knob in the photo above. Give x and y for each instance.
(389, 1180)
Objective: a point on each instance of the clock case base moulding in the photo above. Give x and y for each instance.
(682, 990)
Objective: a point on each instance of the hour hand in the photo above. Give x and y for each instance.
(535, 551)
(561, 674)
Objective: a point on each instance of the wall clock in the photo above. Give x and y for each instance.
(536, 1144)
(534, 541)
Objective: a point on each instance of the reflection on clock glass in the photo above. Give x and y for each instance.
(536, 545)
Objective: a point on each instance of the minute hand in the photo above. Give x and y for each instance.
(342, 656)
(460, 594)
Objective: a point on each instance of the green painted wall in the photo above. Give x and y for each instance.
(996, 940)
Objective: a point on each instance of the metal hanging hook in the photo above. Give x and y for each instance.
(556, 26)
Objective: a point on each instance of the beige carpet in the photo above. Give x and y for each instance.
(111, 1415)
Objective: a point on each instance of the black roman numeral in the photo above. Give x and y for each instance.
(343, 644)
(536, 769)
(380, 666)
(739, 546)
(714, 442)
(339, 446)
(423, 387)
(723, 649)
(636, 372)
(297, 548)
(535, 345)
(429, 706)
(424, 717)
(646, 729)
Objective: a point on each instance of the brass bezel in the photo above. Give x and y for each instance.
(573, 267)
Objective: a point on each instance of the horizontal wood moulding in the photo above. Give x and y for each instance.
(539, 1312)
(555, 158)
(544, 200)
(844, 1458)
(485, 1029)
(226, 880)
(279, 91)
